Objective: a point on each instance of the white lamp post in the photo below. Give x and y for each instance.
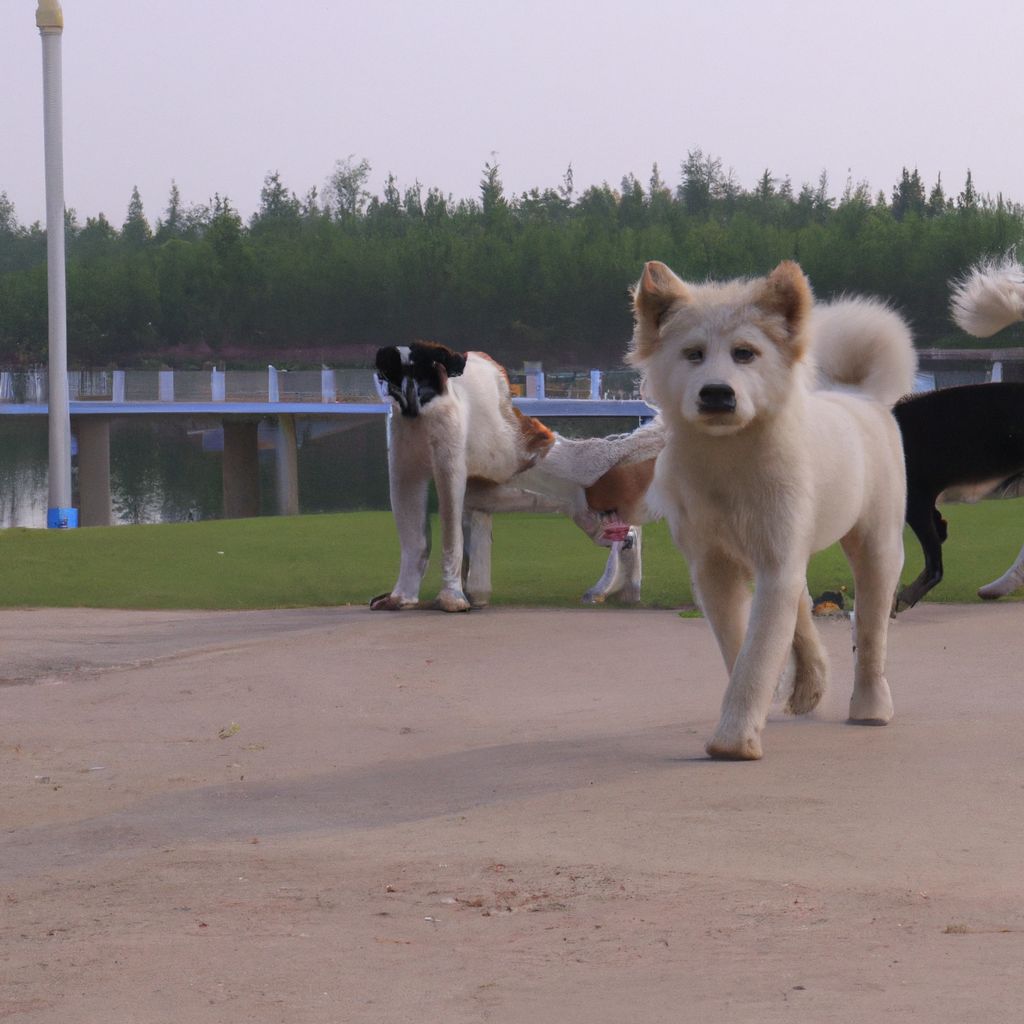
(50, 21)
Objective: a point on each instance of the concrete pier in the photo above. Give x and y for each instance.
(93, 434)
(241, 469)
(287, 467)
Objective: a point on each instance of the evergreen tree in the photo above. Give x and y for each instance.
(492, 192)
(136, 230)
(277, 203)
(908, 195)
(701, 181)
(937, 202)
(171, 225)
(968, 199)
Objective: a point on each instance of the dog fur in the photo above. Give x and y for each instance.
(762, 467)
(457, 425)
(970, 436)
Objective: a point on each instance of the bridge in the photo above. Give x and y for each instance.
(242, 411)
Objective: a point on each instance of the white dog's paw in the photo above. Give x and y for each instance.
(740, 747)
(808, 689)
(451, 600)
(871, 705)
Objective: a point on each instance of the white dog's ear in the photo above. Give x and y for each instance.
(787, 293)
(657, 291)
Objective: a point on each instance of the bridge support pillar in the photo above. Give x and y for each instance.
(93, 433)
(241, 470)
(287, 464)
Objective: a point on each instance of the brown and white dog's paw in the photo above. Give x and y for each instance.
(391, 603)
(452, 601)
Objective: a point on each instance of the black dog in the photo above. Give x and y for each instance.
(954, 437)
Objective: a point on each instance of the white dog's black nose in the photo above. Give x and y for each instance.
(717, 398)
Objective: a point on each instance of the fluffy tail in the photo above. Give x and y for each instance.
(864, 344)
(990, 297)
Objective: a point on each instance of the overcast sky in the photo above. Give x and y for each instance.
(216, 95)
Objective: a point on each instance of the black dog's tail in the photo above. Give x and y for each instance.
(989, 297)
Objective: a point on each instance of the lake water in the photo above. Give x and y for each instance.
(162, 473)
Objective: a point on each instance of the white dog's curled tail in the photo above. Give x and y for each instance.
(989, 297)
(864, 344)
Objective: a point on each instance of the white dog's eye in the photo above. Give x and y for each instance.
(693, 355)
(741, 354)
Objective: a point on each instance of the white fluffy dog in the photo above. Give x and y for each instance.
(763, 466)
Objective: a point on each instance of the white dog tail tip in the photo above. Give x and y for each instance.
(989, 297)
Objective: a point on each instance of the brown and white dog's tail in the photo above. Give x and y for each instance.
(863, 344)
(989, 297)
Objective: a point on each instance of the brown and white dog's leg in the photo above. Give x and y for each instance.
(622, 572)
(477, 528)
(409, 473)
(1011, 580)
(449, 460)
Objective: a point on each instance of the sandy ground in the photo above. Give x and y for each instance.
(337, 815)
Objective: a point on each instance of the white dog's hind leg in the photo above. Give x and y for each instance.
(811, 662)
(478, 534)
(876, 573)
(1011, 580)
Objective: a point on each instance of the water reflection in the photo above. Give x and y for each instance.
(160, 472)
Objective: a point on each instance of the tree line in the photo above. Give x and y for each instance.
(330, 275)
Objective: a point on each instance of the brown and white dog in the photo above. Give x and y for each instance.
(459, 427)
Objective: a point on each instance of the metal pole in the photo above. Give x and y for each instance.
(50, 22)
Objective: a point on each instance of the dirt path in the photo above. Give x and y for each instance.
(336, 816)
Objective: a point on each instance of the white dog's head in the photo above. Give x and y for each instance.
(719, 356)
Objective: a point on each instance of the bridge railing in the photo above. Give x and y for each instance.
(276, 385)
(269, 385)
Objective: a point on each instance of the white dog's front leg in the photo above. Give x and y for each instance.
(811, 659)
(721, 588)
(757, 669)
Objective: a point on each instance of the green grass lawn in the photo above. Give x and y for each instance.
(349, 557)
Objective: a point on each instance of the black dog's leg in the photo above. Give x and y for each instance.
(930, 529)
